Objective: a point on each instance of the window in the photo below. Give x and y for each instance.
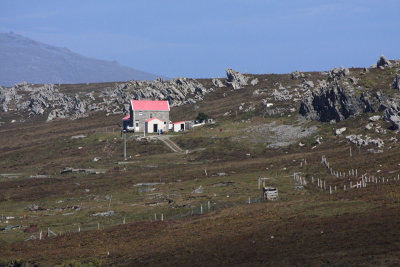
(140, 113)
(151, 115)
(165, 122)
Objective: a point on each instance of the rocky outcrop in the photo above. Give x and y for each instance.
(396, 82)
(254, 82)
(217, 83)
(337, 102)
(383, 62)
(47, 99)
(297, 75)
(392, 114)
(7, 95)
(236, 79)
(282, 95)
(360, 141)
(338, 98)
(338, 73)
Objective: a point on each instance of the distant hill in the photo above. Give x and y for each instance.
(23, 59)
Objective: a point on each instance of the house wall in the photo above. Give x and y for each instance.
(143, 116)
(150, 126)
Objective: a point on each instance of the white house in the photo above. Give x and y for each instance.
(178, 126)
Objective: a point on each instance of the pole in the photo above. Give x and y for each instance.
(124, 146)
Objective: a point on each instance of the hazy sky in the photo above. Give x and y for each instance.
(203, 38)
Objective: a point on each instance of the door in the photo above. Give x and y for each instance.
(136, 125)
(155, 128)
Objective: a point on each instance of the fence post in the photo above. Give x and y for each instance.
(98, 226)
(249, 200)
(79, 229)
(40, 235)
(155, 216)
(123, 222)
(162, 217)
(208, 204)
(201, 208)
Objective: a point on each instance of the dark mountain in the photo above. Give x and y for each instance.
(23, 59)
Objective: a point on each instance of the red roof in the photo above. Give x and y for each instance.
(150, 105)
(153, 119)
(126, 118)
(179, 122)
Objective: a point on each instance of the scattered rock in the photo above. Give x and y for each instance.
(260, 91)
(282, 95)
(297, 75)
(254, 82)
(78, 136)
(217, 83)
(359, 141)
(340, 131)
(33, 207)
(369, 126)
(199, 190)
(374, 118)
(103, 214)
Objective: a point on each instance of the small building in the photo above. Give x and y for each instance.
(155, 125)
(270, 193)
(178, 126)
(142, 111)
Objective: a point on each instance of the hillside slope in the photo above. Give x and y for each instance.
(23, 59)
(328, 141)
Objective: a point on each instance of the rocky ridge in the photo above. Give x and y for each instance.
(340, 97)
(38, 100)
(50, 101)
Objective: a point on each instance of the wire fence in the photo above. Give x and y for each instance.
(166, 215)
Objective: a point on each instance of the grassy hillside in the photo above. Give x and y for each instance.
(225, 223)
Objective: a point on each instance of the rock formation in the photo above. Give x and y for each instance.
(217, 83)
(392, 114)
(396, 82)
(47, 99)
(383, 62)
(236, 79)
(337, 99)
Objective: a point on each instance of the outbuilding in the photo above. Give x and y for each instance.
(178, 126)
(155, 125)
